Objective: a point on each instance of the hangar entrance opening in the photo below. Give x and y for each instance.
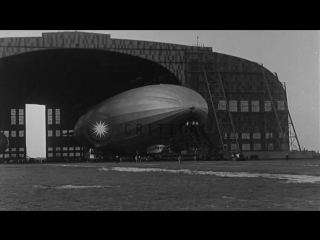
(35, 131)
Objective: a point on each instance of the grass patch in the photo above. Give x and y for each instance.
(54, 187)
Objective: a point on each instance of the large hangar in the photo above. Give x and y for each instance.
(69, 72)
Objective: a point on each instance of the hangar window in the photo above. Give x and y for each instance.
(71, 149)
(21, 133)
(13, 149)
(257, 146)
(13, 155)
(49, 133)
(269, 135)
(13, 120)
(13, 133)
(78, 154)
(64, 133)
(6, 133)
(57, 133)
(232, 136)
(281, 105)
(21, 120)
(58, 148)
(245, 146)
(50, 120)
(267, 106)
(13, 112)
(50, 149)
(6, 156)
(244, 106)
(58, 154)
(21, 112)
(50, 154)
(1, 155)
(65, 148)
(256, 136)
(21, 155)
(245, 135)
(57, 119)
(65, 154)
(222, 105)
(57, 112)
(77, 148)
(71, 154)
(21, 149)
(49, 112)
(270, 146)
(255, 106)
(233, 106)
(234, 147)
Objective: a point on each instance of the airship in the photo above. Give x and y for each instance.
(4, 143)
(134, 120)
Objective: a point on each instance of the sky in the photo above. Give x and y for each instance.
(292, 54)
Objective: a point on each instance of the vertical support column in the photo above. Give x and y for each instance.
(275, 111)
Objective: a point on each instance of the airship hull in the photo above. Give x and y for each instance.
(138, 118)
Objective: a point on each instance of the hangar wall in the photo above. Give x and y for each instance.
(247, 103)
(171, 56)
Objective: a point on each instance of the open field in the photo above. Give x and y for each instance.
(218, 185)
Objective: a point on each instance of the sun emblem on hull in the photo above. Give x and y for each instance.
(100, 129)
